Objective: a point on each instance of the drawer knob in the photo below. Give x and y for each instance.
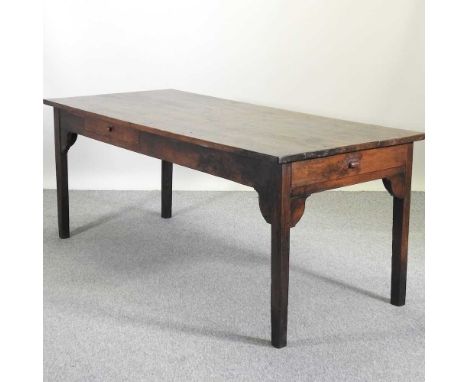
(353, 164)
(110, 128)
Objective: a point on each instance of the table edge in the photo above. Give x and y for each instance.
(352, 148)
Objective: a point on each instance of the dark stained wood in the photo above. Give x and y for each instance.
(345, 165)
(235, 166)
(265, 203)
(400, 188)
(280, 226)
(312, 188)
(315, 175)
(63, 141)
(297, 209)
(396, 185)
(284, 156)
(229, 125)
(166, 189)
(114, 133)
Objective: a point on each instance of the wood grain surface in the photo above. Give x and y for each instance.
(235, 126)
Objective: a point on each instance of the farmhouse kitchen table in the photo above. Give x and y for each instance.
(285, 156)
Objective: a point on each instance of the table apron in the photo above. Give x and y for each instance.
(234, 166)
(341, 170)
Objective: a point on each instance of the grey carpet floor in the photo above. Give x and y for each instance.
(133, 297)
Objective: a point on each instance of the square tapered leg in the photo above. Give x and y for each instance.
(166, 189)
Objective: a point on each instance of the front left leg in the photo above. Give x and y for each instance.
(280, 227)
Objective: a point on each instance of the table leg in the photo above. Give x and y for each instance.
(400, 188)
(166, 189)
(401, 211)
(280, 227)
(63, 141)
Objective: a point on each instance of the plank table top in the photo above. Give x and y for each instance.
(236, 126)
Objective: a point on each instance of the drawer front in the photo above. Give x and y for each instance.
(344, 169)
(113, 133)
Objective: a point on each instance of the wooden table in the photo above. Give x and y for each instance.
(285, 156)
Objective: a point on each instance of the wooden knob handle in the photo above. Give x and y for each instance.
(353, 164)
(110, 128)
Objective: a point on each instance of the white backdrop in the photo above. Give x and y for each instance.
(361, 60)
